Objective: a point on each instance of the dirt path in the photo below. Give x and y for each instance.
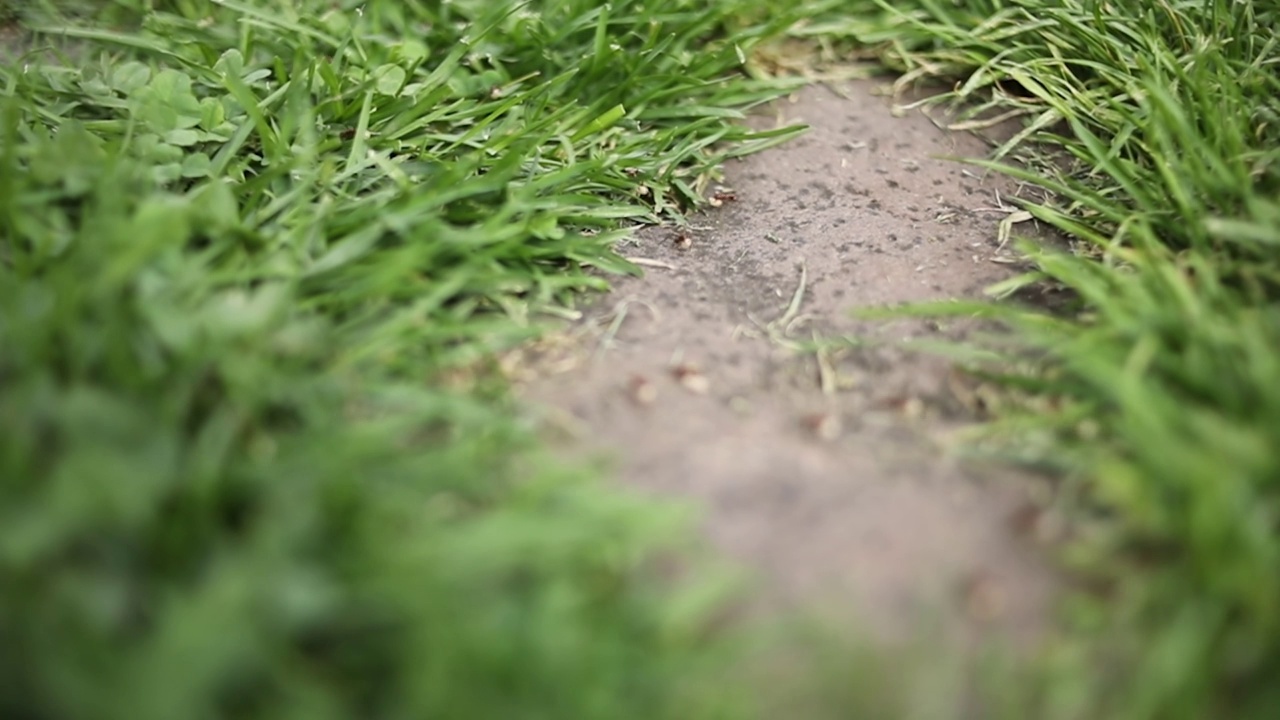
(842, 495)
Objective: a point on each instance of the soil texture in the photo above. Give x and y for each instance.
(832, 475)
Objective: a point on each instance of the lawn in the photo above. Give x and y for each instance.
(257, 258)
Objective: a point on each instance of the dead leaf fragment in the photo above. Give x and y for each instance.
(908, 406)
(1040, 524)
(691, 378)
(984, 598)
(721, 196)
(641, 391)
(825, 426)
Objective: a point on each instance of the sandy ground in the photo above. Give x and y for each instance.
(828, 476)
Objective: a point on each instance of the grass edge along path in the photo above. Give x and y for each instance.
(1155, 394)
(240, 247)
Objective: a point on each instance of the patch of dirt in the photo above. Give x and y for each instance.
(830, 475)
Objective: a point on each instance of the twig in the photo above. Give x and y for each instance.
(649, 262)
(793, 308)
(826, 374)
(619, 315)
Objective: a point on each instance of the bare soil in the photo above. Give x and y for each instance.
(833, 476)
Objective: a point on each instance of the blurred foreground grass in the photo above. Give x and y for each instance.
(240, 242)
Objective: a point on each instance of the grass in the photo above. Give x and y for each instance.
(245, 245)
(1155, 396)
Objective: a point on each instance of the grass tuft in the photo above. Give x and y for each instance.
(1153, 129)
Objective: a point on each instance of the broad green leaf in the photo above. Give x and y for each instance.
(196, 165)
(212, 114)
(182, 138)
(214, 205)
(129, 77)
(410, 51)
(389, 79)
(230, 63)
(167, 102)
